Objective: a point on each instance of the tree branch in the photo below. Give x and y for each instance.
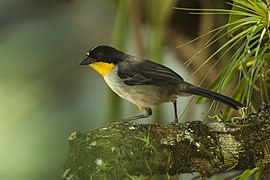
(128, 149)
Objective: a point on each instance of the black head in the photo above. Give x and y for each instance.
(103, 53)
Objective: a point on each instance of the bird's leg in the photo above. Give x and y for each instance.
(175, 121)
(146, 113)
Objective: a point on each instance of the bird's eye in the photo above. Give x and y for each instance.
(87, 53)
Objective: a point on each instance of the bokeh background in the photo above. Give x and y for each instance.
(46, 95)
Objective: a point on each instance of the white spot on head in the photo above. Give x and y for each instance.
(93, 48)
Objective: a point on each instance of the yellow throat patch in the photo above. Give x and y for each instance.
(102, 68)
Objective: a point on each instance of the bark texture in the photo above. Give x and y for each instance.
(127, 149)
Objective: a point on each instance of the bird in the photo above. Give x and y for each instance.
(143, 82)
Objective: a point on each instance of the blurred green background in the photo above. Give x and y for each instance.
(46, 95)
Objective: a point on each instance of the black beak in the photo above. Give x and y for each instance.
(87, 60)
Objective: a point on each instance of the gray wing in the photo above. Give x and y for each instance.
(146, 72)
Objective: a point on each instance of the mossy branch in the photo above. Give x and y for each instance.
(128, 149)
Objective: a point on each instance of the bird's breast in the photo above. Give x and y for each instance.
(140, 95)
(117, 84)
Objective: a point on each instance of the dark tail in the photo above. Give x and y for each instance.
(214, 96)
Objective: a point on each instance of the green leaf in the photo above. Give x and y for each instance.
(247, 173)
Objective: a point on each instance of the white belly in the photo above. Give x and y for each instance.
(118, 86)
(138, 95)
